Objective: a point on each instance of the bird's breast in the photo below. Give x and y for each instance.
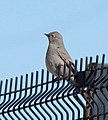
(52, 61)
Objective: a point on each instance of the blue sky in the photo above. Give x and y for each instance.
(82, 23)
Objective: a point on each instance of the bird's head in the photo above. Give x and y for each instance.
(55, 38)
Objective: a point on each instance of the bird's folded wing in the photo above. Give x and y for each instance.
(63, 54)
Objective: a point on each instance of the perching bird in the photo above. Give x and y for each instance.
(57, 55)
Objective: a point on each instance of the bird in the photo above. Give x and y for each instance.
(57, 56)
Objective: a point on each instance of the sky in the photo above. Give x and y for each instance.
(82, 23)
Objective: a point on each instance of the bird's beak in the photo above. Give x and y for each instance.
(47, 35)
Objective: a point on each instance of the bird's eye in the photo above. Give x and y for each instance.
(53, 35)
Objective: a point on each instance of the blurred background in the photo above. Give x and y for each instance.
(82, 23)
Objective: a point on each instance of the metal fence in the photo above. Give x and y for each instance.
(38, 97)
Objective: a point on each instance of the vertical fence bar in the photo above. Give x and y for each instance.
(4, 97)
(12, 102)
(86, 63)
(81, 64)
(1, 83)
(31, 99)
(15, 106)
(8, 101)
(38, 96)
(26, 99)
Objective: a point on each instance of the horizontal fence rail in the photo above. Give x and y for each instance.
(42, 96)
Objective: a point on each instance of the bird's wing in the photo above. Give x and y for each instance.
(63, 54)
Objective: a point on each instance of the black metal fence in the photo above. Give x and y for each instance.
(35, 96)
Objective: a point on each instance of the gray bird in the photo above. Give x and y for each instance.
(57, 55)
